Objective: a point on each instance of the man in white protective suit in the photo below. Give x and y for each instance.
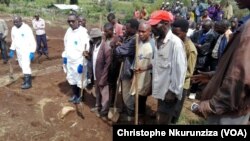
(23, 42)
(76, 43)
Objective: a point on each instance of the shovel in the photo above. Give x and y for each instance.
(79, 111)
(114, 114)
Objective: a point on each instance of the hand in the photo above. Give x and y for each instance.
(11, 54)
(80, 68)
(86, 54)
(115, 42)
(202, 77)
(64, 60)
(204, 108)
(32, 56)
(138, 70)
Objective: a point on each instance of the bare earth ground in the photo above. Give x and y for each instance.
(34, 114)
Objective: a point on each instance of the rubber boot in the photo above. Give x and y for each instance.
(27, 82)
(78, 98)
(74, 90)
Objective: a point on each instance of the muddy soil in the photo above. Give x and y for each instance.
(34, 114)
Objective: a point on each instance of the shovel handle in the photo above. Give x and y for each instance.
(136, 82)
(83, 60)
(118, 85)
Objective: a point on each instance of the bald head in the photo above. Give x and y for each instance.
(17, 21)
(144, 31)
(145, 25)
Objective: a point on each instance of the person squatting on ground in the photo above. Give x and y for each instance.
(41, 38)
(3, 34)
(23, 42)
(76, 42)
(169, 66)
(101, 64)
(180, 28)
(225, 99)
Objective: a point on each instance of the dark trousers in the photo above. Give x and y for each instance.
(179, 106)
(213, 64)
(102, 99)
(166, 108)
(141, 105)
(42, 39)
(3, 50)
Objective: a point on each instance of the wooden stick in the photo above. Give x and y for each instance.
(135, 77)
(85, 47)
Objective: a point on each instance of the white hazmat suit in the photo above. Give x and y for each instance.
(75, 43)
(24, 43)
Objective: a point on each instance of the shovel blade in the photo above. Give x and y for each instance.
(113, 114)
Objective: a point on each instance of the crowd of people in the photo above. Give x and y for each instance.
(174, 53)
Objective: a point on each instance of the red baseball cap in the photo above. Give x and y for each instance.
(160, 15)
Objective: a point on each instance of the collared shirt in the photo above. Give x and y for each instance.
(3, 28)
(144, 60)
(169, 67)
(95, 55)
(39, 26)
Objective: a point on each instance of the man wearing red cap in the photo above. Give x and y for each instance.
(169, 66)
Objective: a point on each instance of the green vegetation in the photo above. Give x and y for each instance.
(94, 12)
(91, 9)
(190, 120)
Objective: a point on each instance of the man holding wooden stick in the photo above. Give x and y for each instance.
(142, 80)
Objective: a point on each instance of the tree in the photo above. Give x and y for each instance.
(7, 2)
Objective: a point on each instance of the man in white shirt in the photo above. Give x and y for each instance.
(169, 66)
(39, 26)
(23, 42)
